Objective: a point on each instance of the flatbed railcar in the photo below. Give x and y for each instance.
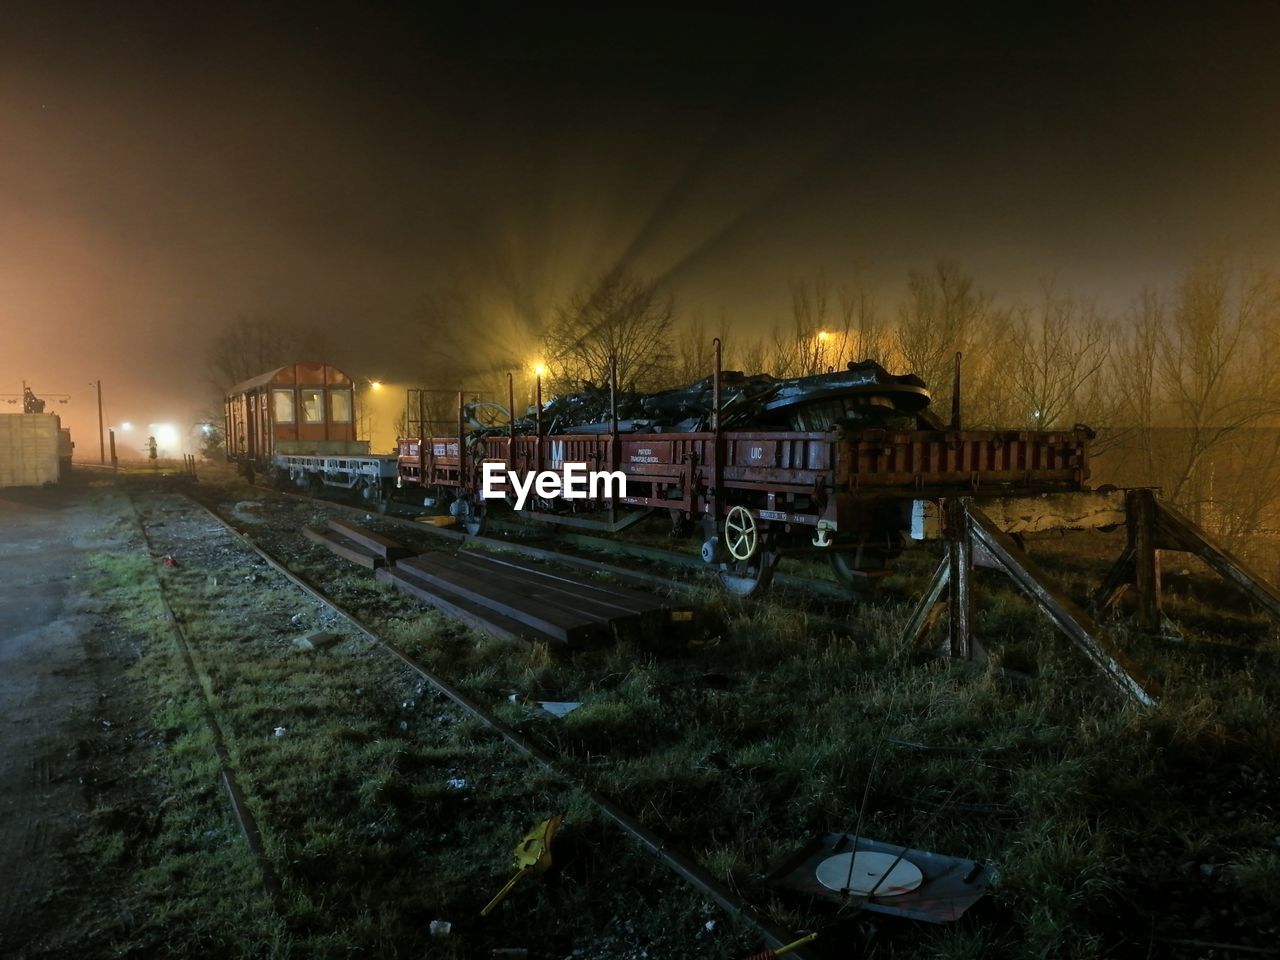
(296, 425)
(849, 493)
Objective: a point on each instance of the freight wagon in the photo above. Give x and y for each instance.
(296, 425)
(849, 492)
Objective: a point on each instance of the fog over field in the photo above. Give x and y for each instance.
(166, 172)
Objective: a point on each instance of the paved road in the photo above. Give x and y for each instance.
(49, 685)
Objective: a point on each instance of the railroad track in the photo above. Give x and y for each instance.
(684, 867)
(239, 805)
(694, 566)
(698, 578)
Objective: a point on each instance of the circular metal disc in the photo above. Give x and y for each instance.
(868, 868)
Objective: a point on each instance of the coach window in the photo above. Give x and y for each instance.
(282, 401)
(339, 406)
(312, 405)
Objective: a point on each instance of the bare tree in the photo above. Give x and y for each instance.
(867, 337)
(1197, 383)
(1133, 384)
(695, 351)
(823, 332)
(473, 332)
(1217, 366)
(1243, 487)
(252, 345)
(750, 356)
(816, 339)
(1060, 351)
(620, 319)
(944, 314)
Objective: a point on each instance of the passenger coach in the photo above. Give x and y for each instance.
(300, 410)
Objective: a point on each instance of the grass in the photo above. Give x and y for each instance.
(1102, 797)
(1110, 826)
(354, 795)
(159, 834)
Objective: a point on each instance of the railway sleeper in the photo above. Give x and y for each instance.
(475, 615)
(543, 613)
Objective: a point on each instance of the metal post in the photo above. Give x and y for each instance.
(115, 463)
(717, 455)
(960, 574)
(511, 411)
(715, 390)
(537, 422)
(1140, 517)
(613, 396)
(102, 448)
(511, 424)
(613, 429)
(462, 449)
(955, 395)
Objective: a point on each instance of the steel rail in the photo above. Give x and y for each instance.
(684, 867)
(825, 588)
(247, 822)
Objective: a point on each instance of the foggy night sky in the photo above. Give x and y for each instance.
(164, 170)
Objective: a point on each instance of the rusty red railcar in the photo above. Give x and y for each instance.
(306, 406)
(758, 495)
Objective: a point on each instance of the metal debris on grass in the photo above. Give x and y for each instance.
(531, 855)
(888, 878)
(556, 708)
(783, 950)
(317, 640)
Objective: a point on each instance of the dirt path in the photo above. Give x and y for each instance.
(55, 673)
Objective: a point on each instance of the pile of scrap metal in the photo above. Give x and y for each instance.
(864, 394)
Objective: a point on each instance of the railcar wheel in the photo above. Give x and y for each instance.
(747, 578)
(475, 520)
(741, 535)
(377, 494)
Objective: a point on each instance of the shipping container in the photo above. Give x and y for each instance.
(29, 448)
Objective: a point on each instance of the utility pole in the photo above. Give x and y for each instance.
(102, 439)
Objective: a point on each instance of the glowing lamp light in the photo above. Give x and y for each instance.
(823, 336)
(539, 369)
(166, 434)
(126, 425)
(376, 384)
